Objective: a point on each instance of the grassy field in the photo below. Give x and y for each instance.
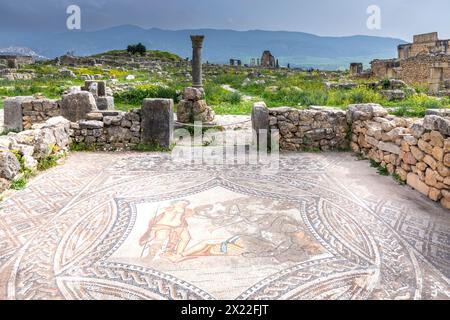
(228, 91)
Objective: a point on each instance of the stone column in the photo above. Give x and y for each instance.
(197, 45)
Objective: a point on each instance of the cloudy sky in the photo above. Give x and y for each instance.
(400, 18)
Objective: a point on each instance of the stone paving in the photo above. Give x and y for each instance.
(138, 226)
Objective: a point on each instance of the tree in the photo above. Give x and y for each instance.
(137, 48)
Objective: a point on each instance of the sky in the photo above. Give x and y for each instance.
(399, 18)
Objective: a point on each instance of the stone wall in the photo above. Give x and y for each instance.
(39, 110)
(21, 113)
(108, 130)
(414, 70)
(316, 128)
(31, 146)
(417, 151)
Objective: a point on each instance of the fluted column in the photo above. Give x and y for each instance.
(197, 45)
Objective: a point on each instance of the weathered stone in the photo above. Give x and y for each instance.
(447, 160)
(260, 124)
(98, 116)
(417, 153)
(435, 194)
(157, 122)
(429, 160)
(438, 153)
(193, 94)
(436, 139)
(442, 169)
(9, 165)
(414, 181)
(185, 113)
(13, 113)
(425, 146)
(389, 147)
(408, 158)
(75, 106)
(90, 124)
(105, 103)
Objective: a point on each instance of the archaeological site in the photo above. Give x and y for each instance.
(139, 163)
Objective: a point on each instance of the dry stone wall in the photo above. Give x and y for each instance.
(314, 128)
(417, 151)
(108, 130)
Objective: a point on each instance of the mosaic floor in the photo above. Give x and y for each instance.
(137, 226)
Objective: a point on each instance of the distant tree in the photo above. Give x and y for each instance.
(137, 49)
(278, 64)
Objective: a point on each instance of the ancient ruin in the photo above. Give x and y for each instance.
(193, 107)
(235, 62)
(356, 69)
(268, 60)
(425, 61)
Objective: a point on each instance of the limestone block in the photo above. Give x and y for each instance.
(13, 116)
(389, 147)
(414, 181)
(429, 160)
(260, 122)
(105, 103)
(157, 122)
(75, 106)
(193, 94)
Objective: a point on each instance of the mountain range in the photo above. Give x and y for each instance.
(297, 48)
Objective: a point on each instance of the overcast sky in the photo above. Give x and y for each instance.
(400, 18)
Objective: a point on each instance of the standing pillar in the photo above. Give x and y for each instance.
(197, 45)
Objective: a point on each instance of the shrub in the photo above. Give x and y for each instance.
(137, 49)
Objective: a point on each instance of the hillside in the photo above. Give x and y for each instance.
(297, 48)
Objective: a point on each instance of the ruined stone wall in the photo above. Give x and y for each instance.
(317, 128)
(414, 70)
(418, 69)
(417, 151)
(21, 113)
(385, 69)
(39, 110)
(31, 146)
(108, 130)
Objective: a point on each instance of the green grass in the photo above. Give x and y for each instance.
(81, 147)
(49, 162)
(19, 184)
(141, 147)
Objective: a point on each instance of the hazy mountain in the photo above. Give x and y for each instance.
(297, 48)
(20, 51)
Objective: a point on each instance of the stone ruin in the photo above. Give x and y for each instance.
(425, 61)
(9, 65)
(268, 60)
(235, 62)
(104, 99)
(193, 107)
(416, 151)
(356, 69)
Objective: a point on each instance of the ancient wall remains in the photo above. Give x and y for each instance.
(418, 152)
(314, 128)
(31, 146)
(108, 130)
